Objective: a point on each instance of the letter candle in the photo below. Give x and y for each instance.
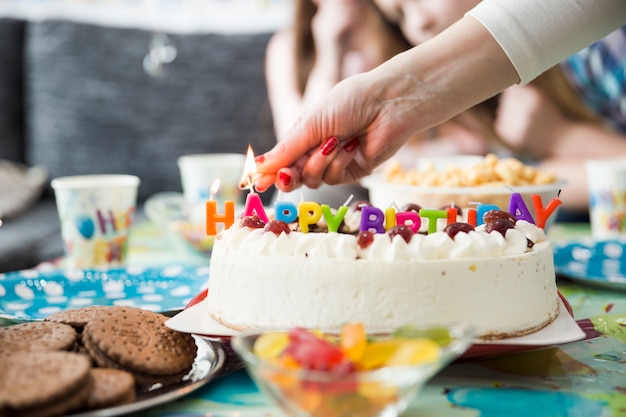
(333, 222)
(542, 213)
(308, 213)
(213, 217)
(518, 208)
(452, 213)
(432, 216)
(254, 205)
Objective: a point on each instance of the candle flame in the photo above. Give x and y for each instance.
(249, 172)
(215, 186)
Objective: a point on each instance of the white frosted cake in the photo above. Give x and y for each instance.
(503, 283)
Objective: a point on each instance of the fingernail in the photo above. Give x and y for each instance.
(329, 146)
(259, 159)
(352, 145)
(284, 178)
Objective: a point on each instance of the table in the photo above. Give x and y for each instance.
(584, 378)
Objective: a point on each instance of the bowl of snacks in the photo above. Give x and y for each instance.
(349, 372)
(462, 182)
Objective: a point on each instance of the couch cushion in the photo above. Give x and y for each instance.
(93, 109)
(11, 103)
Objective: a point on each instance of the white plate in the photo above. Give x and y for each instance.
(197, 320)
(209, 360)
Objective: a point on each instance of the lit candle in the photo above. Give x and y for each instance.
(543, 213)
(254, 205)
(309, 212)
(518, 208)
(213, 217)
(432, 216)
(372, 219)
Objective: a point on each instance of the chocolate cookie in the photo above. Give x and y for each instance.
(111, 387)
(37, 336)
(77, 317)
(138, 341)
(43, 384)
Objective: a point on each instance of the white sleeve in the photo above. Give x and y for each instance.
(537, 34)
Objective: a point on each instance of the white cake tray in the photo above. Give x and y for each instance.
(196, 320)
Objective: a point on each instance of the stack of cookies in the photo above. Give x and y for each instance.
(88, 358)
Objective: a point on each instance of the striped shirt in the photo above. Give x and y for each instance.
(598, 73)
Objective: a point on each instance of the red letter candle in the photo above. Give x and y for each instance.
(544, 213)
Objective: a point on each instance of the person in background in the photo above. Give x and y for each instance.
(329, 40)
(421, 21)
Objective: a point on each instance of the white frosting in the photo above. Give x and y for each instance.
(326, 279)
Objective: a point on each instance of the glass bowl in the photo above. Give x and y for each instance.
(384, 391)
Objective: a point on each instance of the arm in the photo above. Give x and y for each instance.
(410, 93)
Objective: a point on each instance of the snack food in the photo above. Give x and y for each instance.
(500, 278)
(37, 337)
(111, 387)
(137, 341)
(43, 384)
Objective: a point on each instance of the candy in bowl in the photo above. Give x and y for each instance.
(351, 372)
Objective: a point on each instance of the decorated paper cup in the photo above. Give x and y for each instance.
(198, 174)
(606, 180)
(96, 213)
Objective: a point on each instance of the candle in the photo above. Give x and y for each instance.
(452, 214)
(333, 222)
(213, 217)
(543, 213)
(410, 219)
(518, 208)
(285, 211)
(308, 213)
(372, 220)
(471, 216)
(481, 209)
(254, 205)
(390, 218)
(432, 216)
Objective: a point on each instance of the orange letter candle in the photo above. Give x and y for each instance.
(213, 217)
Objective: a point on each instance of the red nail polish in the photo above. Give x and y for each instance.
(352, 145)
(329, 146)
(260, 159)
(284, 178)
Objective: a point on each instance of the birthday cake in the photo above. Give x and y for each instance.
(498, 276)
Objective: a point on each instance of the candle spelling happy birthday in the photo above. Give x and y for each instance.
(373, 219)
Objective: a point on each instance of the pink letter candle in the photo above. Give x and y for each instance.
(254, 206)
(410, 219)
(518, 208)
(212, 217)
(372, 220)
(544, 213)
(285, 211)
(309, 212)
(432, 216)
(333, 222)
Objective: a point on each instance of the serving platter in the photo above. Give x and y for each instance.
(196, 320)
(598, 263)
(208, 362)
(34, 294)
